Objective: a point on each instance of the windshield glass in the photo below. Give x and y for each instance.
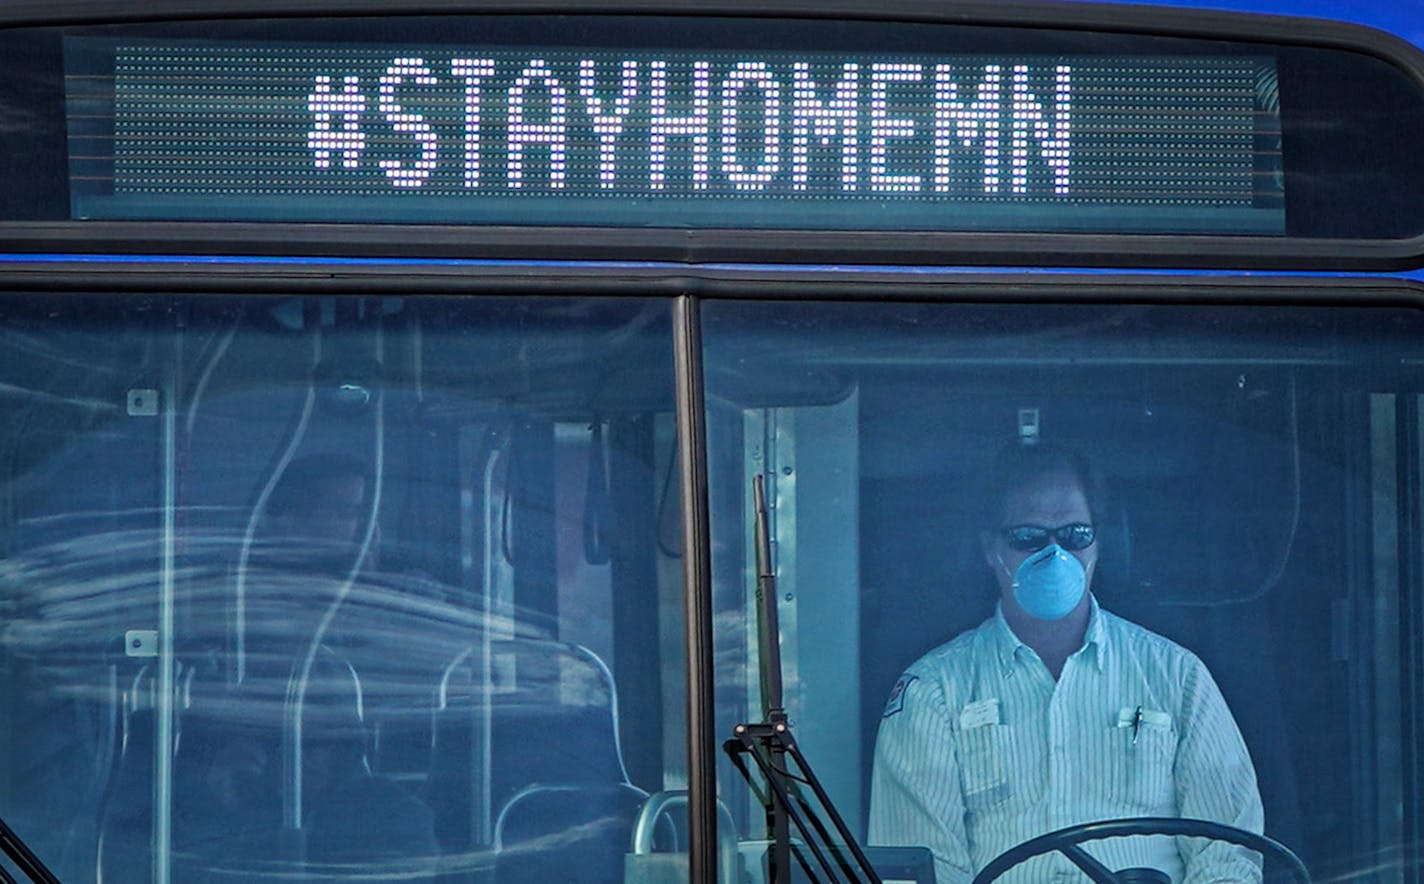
(391, 588)
(1174, 549)
(301, 588)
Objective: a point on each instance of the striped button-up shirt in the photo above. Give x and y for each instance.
(981, 749)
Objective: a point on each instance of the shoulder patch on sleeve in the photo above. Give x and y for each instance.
(896, 703)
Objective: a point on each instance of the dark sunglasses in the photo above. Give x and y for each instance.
(1028, 538)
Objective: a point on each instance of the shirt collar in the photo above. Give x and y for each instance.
(1007, 646)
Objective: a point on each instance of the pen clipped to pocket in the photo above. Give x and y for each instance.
(1146, 747)
(1139, 720)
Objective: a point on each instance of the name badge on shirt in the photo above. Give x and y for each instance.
(982, 713)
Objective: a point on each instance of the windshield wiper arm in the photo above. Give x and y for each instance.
(23, 858)
(770, 743)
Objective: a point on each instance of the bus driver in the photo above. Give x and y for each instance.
(1055, 712)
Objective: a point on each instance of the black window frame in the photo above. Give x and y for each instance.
(683, 246)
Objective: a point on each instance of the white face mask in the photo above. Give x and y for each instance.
(1049, 583)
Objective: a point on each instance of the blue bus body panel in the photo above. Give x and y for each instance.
(1403, 19)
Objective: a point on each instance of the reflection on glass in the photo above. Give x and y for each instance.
(1175, 632)
(387, 535)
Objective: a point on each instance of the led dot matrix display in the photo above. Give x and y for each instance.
(192, 130)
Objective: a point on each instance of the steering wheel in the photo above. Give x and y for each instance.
(1066, 841)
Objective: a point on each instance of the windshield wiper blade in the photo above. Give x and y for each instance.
(23, 858)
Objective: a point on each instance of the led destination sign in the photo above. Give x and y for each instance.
(673, 138)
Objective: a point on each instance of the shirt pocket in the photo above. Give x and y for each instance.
(983, 765)
(1142, 760)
